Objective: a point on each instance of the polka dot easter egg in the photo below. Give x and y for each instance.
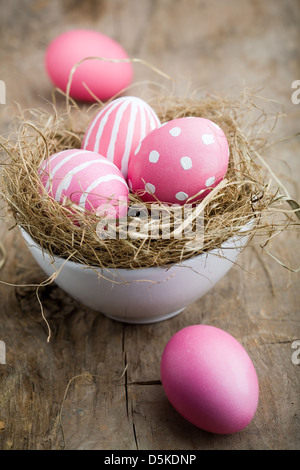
(118, 128)
(87, 179)
(178, 160)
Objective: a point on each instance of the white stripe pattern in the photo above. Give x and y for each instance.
(102, 125)
(73, 174)
(129, 138)
(59, 165)
(118, 128)
(102, 179)
(105, 111)
(65, 183)
(111, 148)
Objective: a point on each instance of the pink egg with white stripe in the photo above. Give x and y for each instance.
(87, 179)
(118, 128)
(179, 160)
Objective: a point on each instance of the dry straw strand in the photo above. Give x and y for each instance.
(89, 377)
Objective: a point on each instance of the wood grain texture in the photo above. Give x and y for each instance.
(96, 384)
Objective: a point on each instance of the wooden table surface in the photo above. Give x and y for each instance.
(96, 384)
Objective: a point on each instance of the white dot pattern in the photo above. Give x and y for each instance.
(186, 163)
(153, 156)
(181, 196)
(150, 188)
(175, 131)
(210, 181)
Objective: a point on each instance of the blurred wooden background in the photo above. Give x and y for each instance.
(100, 379)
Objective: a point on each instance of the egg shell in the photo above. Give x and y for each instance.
(179, 159)
(103, 78)
(210, 379)
(87, 179)
(118, 128)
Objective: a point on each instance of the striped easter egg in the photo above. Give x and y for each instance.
(88, 179)
(118, 129)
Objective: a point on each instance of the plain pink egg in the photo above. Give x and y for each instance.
(210, 379)
(88, 180)
(105, 79)
(178, 160)
(118, 128)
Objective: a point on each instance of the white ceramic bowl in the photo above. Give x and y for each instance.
(141, 295)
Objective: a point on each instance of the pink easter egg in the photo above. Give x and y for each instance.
(210, 379)
(178, 160)
(87, 179)
(103, 78)
(118, 128)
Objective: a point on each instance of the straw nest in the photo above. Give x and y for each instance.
(246, 194)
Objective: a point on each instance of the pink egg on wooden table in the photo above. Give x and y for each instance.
(87, 179)
(105, 79)
(118, 128)
(210, 379)
(178, 160)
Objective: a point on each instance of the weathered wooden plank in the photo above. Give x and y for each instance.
(96, 384)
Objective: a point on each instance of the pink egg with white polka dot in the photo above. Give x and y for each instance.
(87, 179)
(118, 128)
(178, 160)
